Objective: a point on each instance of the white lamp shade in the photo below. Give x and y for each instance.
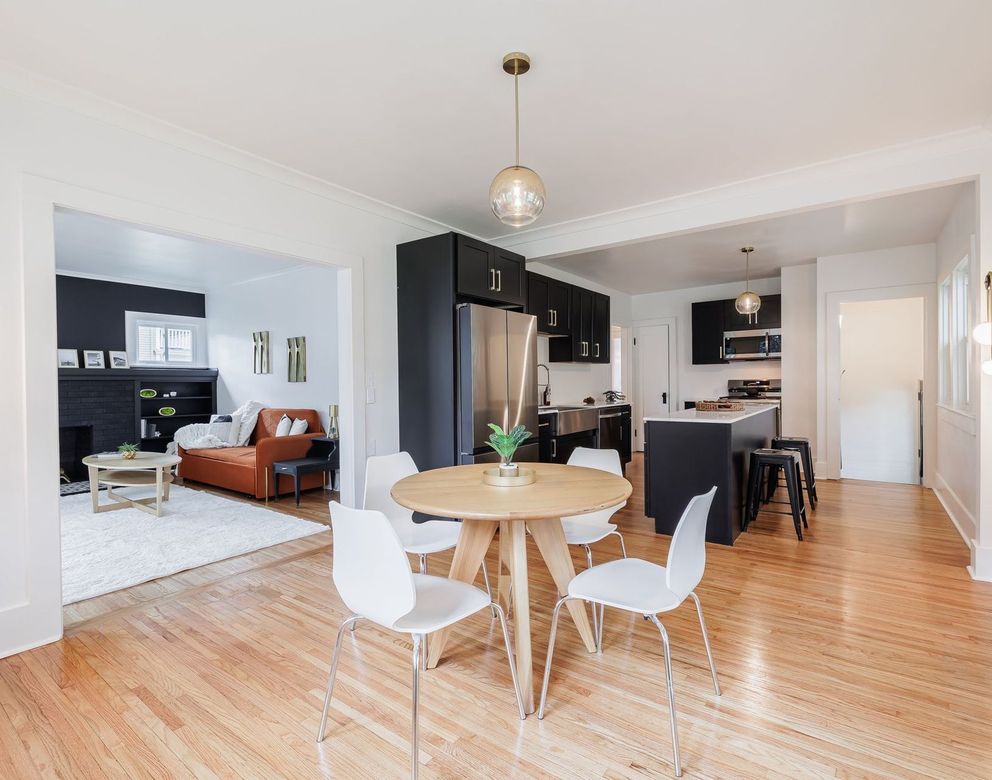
(517, 196)
(983, 333)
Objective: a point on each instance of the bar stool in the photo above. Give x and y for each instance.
(801, 445)
(761, 464)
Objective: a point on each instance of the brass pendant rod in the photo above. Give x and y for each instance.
(516, 114)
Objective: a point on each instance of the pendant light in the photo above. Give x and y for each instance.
(747, 302)
(517, 192)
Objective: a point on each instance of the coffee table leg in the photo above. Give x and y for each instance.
(94, 487)
(473, 542)
(158, 491)
(550, 538)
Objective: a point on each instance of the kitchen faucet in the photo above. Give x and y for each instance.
(546, 395)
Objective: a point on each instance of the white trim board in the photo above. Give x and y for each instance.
(961, 518)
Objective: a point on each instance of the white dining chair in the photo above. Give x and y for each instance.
(584, 530)
(420, 539)
(373, 578)
(639, 586)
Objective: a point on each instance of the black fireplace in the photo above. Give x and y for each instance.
(75, 443)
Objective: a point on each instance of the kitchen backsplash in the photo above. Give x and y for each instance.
(573, 381)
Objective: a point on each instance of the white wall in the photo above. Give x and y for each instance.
(96, 157)
(697, 383)
(799, 351)
(899, 272)
(956, 482)
(571, 382)
(881, 359)
(301, 302)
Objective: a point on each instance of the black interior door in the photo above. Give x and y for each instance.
(476, 275)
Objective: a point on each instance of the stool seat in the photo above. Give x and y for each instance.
(764, 463)
(801, 445)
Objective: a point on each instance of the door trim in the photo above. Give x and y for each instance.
(636, 422)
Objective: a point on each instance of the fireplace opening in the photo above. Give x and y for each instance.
(75, 443)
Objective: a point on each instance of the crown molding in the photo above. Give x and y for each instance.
(25, 83)
(644, 221)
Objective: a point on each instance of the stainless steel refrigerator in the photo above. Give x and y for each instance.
(497, 380)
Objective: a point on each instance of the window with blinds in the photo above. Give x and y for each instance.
(165, 344)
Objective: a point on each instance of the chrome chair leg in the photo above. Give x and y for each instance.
(423, 563)
(415, 737)
(551, 652)
(333, 673)
(706, 643)
(498, 611)
(671, 692)
(619, 536)
(595, 613)
(485, 579)
(423, 570)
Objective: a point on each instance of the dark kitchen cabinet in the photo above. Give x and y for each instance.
(707, 332)
(550, 301)
(600, 347)
(488, 273)
(769, 316)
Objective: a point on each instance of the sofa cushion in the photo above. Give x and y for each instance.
(238, 455)
(268, 420)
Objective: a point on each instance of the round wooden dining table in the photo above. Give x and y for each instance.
(558, 491)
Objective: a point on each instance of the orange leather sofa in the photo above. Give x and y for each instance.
(244, 469)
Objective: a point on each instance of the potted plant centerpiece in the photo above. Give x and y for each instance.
(128, 451)
(506, 445)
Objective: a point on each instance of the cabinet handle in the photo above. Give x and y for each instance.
(554, 315)
(554, 448)
(597, 349)
(492, 278)
(551, 317)
(499, 281)
(721, 352)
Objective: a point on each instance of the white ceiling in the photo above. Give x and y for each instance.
(714, 257)
(628, 101)
(89, 245)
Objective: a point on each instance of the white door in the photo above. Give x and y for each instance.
(881, 361)
(653, 380)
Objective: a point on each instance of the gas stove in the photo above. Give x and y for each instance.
(767, 390)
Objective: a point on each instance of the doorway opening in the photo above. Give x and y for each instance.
(881, 390)
(654, 391)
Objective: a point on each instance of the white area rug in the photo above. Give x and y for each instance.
(113, 550)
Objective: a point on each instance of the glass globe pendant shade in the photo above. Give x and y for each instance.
(517, 196)
(983, 334)
(748, 302)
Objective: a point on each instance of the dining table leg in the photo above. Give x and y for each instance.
(550, 538)
(473, 543)
(521, 612)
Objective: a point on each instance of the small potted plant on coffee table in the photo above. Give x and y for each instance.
(128, 451)
(506, 445)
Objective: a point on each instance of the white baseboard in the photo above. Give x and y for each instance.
(981, 563)
(9, 651)
(960, 517)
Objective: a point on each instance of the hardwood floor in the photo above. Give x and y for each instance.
(860, 652)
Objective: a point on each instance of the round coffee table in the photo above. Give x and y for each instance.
(559, 491)
(144, 470)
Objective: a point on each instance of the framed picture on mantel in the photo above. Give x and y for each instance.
(93, 358)
(68, 358)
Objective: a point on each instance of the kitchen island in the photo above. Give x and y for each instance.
(691, 451)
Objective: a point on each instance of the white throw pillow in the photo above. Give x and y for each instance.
(235, 433)
(299, 426)
(249, 416)
(284, 426)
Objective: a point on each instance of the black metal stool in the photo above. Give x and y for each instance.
(801, 445)
(760, 466)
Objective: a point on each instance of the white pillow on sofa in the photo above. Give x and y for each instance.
(299, 426)
(284, 426)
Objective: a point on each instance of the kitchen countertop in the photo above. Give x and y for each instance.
(598, 405)
(694, 415)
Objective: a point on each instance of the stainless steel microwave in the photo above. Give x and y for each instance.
(752, 344)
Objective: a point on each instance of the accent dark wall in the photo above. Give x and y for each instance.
(91, 312)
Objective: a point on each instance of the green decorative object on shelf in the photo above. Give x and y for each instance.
(506, 445)
(148, 393)
(128, 451)
(167, 411)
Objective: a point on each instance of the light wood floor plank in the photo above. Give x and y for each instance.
(860, 652)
